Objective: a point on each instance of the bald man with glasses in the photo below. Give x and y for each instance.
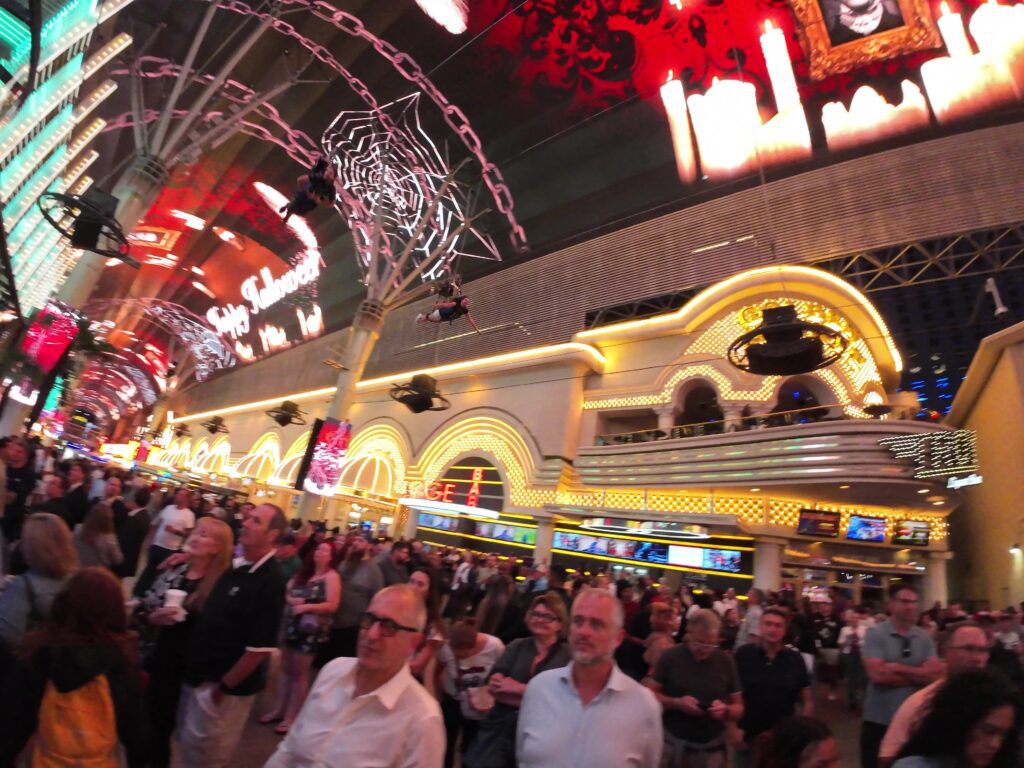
(370, 710)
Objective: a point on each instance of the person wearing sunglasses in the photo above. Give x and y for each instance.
(370, 710)
(965, 647)
(899, 659)
(547, 621)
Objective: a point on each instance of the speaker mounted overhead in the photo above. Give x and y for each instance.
(287, 413)
(421, 394)
(92, 224)
(785, 345)
(181, 430)
(215, 425)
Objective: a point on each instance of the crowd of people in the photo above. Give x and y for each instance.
(138, 622)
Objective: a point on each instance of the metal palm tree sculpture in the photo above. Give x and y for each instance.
(408, 213)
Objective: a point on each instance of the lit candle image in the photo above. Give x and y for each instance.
(725, 120)
(871, 117)
(999, 32)
(674, 99)
(780, 67)
(952, 28)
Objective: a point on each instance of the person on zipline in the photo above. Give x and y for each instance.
(448, 311)
(312, 189)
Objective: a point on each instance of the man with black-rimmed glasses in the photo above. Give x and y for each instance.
(370, 710)
(899, 659)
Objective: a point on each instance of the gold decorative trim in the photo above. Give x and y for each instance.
(918, 33)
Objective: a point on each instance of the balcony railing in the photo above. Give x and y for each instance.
(814, 414)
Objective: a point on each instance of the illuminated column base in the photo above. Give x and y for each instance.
(768, 563)
(935, 587)
(545, 538)
(412, 521)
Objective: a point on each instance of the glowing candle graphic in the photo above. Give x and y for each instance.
(674, 98)
(780, 67)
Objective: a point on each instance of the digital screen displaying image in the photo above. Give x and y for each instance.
(321, 467)
(814, 522)
(626, 549)
(912, 533)
(504, 532)
(866, 529)
(722, 560)
(440, 522)
(48, 338)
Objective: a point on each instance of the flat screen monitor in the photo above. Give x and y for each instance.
(321, 466)
(866, 529)
(49, 337)
(912, 533)
(815, 522)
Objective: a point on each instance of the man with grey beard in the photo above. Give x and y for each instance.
(589, 713)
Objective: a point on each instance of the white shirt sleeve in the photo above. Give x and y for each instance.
(654, 739)
(427, 746)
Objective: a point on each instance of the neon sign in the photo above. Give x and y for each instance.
(235, 319)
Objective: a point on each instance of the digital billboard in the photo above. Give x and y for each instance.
(321, 466)
(650, 552)
(49, 337)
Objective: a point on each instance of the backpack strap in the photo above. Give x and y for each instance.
(35, 616)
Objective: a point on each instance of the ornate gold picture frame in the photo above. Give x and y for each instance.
(839, 37)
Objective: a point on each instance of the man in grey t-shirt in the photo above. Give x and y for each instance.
(899, 659)
(361, 579)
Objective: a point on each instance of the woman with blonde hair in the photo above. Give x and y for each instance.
(166, 622)
(95, 539)
(50, 555)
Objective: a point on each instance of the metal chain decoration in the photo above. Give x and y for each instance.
(389, 175)
(407, 67)
(299, 146)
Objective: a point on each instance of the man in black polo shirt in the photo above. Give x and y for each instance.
(231, 644)
(774, 680)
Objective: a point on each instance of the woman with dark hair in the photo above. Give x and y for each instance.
(424, 581)
(797, 742)
(313, 596)
(166, 629)
(973, 722)
(495, 743)
(78, 691)
(96, 540)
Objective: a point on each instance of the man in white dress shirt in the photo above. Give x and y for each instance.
(589, 713)
(370, 710)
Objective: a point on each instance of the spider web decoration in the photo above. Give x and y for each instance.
(389, 169)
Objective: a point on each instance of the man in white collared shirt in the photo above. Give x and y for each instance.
(589, 713)
(371, 710)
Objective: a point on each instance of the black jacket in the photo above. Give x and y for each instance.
(78, 505)
(71, 667)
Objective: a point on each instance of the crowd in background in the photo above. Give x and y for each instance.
(142, 616)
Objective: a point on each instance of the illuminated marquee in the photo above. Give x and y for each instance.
(939, 454)
(473, 482)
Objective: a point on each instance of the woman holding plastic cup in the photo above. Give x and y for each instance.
(165, 617)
